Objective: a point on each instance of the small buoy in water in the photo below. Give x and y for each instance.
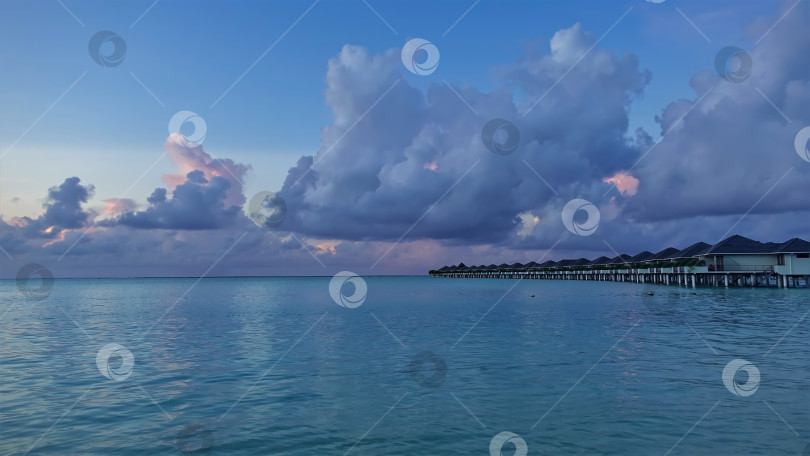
(532, 296)
(694, 292)
(651, 293)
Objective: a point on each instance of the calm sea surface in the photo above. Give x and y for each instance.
(250, 366)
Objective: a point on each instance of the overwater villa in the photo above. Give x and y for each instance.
(735, 261)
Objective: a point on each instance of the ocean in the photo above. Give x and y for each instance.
(402, 366)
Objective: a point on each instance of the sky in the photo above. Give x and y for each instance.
(394, 136)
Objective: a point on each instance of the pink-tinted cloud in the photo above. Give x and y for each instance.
(118, 205)
(373, 178)
(188, 159)
(196, 204)
(624, 182)
(411, 160)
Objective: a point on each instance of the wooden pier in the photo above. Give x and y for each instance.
(661, 276)
(733, 262)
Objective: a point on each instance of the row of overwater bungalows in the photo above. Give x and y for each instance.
(735, 261)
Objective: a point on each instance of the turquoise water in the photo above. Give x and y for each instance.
(274, 366)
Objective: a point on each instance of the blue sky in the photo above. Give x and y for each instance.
(108, 128)
(188, 53)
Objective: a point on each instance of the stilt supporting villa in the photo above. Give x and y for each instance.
(733, 262)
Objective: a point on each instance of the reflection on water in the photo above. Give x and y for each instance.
(275, 366)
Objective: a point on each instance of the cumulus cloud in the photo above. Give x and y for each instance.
(416, 165)
(118, 205)
(62, 211)
(373, 181)
(206, 194)
(625, 183)
(63, 207)
(733, 146)
(418, 156)
(189, 159)
(196, 204)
